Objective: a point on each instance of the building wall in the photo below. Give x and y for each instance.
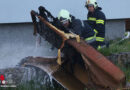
(23, 33)
(115, 29)
(17, 33)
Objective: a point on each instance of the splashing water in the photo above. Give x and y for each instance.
(18, 44)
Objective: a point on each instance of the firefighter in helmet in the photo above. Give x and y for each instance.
(96, 19)
(76, 26)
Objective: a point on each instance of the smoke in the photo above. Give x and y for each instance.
(11, 53)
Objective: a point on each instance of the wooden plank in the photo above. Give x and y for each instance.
(68, 81)
(100, 65)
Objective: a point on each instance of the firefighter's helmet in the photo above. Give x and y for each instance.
(91, 2)
(64, 14)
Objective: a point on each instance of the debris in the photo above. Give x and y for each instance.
(81, 66)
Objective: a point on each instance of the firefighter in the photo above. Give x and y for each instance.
(76, 26)
(96, 19)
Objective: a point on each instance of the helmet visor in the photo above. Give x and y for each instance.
(64, 20)
(89, 5)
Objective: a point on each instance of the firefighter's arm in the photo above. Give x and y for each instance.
(77, 27)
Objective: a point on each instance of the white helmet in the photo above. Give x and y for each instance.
(91, 2)
(64, 14)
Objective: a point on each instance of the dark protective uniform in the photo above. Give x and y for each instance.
(83, 29)
(78, 27)
(97, 21)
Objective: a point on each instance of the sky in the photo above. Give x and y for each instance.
(15, 11)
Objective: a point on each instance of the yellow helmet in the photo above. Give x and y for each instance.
(64, 14)
(91, 2)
